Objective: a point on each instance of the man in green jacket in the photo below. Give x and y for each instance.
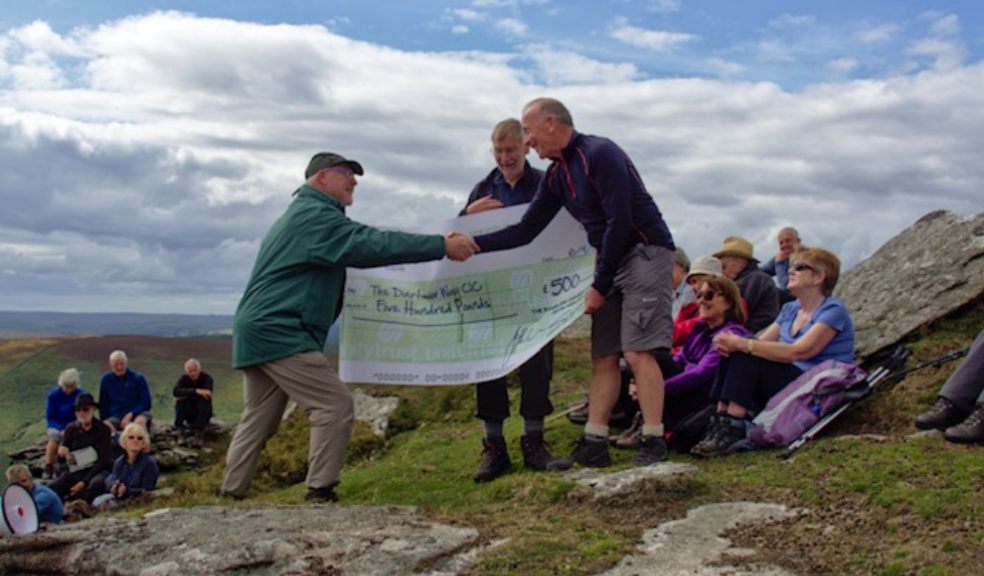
(293, 296)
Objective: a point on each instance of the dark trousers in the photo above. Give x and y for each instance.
(94, 488)
(750, 381)
(192, 412)
(965, 387)
(534, 380)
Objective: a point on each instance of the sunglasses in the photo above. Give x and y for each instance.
(141, 438)
(800, 266)
(707, 295)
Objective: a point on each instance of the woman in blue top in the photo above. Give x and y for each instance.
(134, 473)
(59, 412)
(813, 328)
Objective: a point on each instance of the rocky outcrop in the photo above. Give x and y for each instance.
(925, 273)
(604, 485)
(694, 546)
(258, 541)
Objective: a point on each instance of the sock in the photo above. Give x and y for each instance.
(596, 432)
(493, 429)
(533, 426)
(652, 430)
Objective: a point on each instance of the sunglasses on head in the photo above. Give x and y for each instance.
(800, 266)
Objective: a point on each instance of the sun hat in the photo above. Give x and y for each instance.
(708, 265)
(738, 247)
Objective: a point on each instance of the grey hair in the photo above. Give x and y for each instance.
(69, 376)
(193, 361)
(551, 107)
(133, 427)
(789, 229)
(18, 470)
(506, 128)
(118, 355)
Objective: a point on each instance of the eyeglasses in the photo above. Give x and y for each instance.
(800, 266)
(141, 438)
(707, 295)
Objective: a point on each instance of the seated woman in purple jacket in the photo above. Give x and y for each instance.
(688, 383)
(691, 372)
(134, 473)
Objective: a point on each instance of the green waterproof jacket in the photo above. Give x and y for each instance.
(295, 291)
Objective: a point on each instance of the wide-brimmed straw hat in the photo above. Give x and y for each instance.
(737, 247)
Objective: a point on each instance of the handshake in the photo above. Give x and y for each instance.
(459, 246)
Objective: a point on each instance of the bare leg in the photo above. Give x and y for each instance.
(649, 380)
(604, 389)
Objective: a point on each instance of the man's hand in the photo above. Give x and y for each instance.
(593, 300)
(459, 246)
(63, 451)
(206, 394)
(483, 204)
(76, 488)
(781, 256)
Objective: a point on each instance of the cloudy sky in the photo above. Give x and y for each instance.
(146, 147)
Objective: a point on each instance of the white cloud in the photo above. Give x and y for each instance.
(559, 67)
(946, 55)
(948, 25)
(655, 40)
(153, 162)
(512, 26)
(842, 65)
(878, 33)
(791, 21)
(775, 51)
(726, 68)
(468, 15)
(459, 29)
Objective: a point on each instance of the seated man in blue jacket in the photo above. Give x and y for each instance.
(124, 395)
(50, 509)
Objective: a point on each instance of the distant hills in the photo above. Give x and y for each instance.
(39, 324)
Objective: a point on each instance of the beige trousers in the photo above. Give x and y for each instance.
(309, 381)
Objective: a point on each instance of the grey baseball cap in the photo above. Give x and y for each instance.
(323, 160)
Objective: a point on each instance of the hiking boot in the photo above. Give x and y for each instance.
(940, 416)
(652, 450)
(714, 426)
(321, 495)
(720, 438)
(590, 453)
(495, 460)
(536, 455)
(48, 474)
(970, 431)
(630, 437)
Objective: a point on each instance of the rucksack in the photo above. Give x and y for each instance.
(805, 400)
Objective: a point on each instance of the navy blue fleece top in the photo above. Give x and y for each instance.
(598, 184)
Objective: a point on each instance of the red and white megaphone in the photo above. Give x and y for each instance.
(19, 511)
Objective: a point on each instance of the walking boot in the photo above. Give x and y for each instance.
(536, 455)
(495, 460)
(590, 453)
(940, 416)
(970, 431)
(730, 430)
(652, 450)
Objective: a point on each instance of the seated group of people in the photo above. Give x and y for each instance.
(740, 336)
(94, 470)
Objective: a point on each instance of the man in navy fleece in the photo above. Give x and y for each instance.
(124, 395)
(631, 296)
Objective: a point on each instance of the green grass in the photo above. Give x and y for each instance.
(900, 505)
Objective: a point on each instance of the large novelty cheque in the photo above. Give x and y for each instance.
(448, 322)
